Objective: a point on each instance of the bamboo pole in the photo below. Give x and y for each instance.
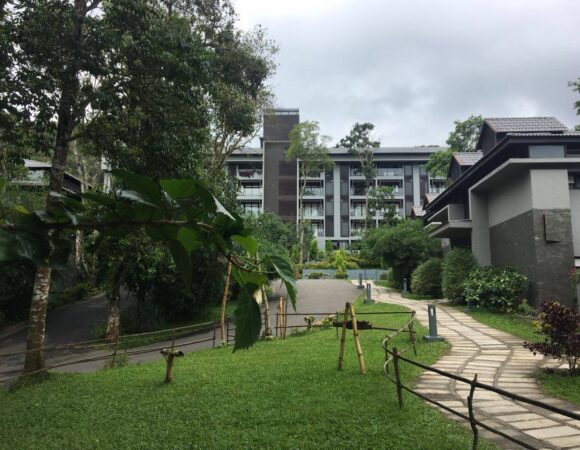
(224, 301)
(412, 334)
(267, 329)
(283, 316)
(472, 420)
(343, 336)
(361, 361)
(398, 376)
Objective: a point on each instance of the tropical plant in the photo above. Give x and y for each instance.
(180, 213)
(561, 327)
(457, 265)
(495, 288)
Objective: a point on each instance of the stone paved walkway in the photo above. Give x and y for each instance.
(499, 359)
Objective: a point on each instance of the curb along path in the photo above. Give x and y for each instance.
(498, 359)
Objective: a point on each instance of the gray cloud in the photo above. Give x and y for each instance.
(414, 67)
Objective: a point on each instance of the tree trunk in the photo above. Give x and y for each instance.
(65, 125)
(37, 322)
(301, 223)
(114, 314)
(223, 308)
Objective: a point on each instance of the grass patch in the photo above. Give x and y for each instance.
(411, 296)
(560, 384)
(386, 284)
(515, 325)
(279, 394)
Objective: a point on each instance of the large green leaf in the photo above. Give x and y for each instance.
(182, 261)
(248, 318)
(188, 239)
(146, 187)
(248, 243)
(100, 199)
(137, 197)
(244, 277)
(284, 270)
(180, 188)
(7, 246)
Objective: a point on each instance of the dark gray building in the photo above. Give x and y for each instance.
(519, 203)
(334, 204)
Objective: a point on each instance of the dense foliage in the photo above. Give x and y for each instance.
(457, 265)
(463, 138)
(495, 288)
(561, 327)
(401, 247)
(16, 280)
(426, 278)
(180, 214)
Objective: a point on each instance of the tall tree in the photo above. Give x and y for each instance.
(57, 52)
(360, 144)
(309, 147)
(463, 138)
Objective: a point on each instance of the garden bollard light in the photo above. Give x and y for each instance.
(469, 307)
(405, 285)
(369, 298)
(433, 336)
(360, 283)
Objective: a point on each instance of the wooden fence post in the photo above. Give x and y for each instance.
(398, 376)
(343, 336)
(361, 361)
(471, 415)
(412, 333)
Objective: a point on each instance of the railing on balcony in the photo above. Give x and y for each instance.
(389, 172)
(314, 192)
(358, 191)
(250, 174)
(436, 190)
(318, 232)
(250, 192)
(358, 212)
(313, 213)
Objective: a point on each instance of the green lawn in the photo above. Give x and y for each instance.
(518, 326)
(555, 384)
(279, 394)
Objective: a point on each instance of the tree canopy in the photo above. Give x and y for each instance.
(463, 138)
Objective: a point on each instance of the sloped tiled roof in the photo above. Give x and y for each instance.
(525, 124)
(467, 158)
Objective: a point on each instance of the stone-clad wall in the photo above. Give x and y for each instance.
(521, 242)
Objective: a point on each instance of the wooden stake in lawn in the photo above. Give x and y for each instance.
(170, 354)
(223, 308)
(349, 311)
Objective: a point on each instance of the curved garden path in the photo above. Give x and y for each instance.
(498, 359)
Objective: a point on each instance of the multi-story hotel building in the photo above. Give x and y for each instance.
(334, 204)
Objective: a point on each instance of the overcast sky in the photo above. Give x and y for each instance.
(412, 67)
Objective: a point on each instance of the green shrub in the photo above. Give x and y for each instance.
(457, 265)
(426, 279)
(496, 289)
(313, 250)
(384, 276)
(341, 274)
(315, 275)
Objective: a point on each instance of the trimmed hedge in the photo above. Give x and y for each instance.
(457, 265)
(426, 278)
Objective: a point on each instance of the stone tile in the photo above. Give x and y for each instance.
(552, 432)
(533, 424)
(520, 417)
(504, 409)
(566, 441)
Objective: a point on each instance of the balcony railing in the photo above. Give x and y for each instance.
(314, 192)
(389, 172)
(313, 213)
(318, 232)
(436, 190)
(358, 212)
(357, 191)
(250, 192)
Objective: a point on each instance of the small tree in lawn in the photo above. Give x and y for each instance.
(313, 251)
(309, 147)
(561, 326)
(359, 143)
(403, 247)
